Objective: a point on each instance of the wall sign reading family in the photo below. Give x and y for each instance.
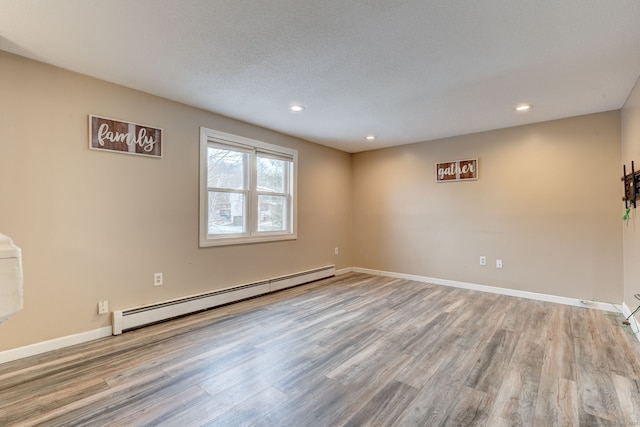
(460, 170)
(124, 137)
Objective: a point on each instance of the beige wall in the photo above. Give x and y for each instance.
(96, 226)
(547, 203)
(631, 230)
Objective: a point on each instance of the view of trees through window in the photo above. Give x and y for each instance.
(272, 198)
(228, 192)
(228, 188)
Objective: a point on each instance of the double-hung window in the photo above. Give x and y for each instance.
(247, 190)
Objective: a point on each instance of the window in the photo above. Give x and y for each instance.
(247, 190)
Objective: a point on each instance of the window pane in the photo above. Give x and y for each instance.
(226, 213)
(272, 174)
(226, 168)
(272, 213)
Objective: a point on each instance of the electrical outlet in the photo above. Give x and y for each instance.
(157, 279)
(337, 251)
(498, 263)
(103, 307)
(483, 260)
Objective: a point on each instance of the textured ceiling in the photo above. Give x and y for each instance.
(406, 71)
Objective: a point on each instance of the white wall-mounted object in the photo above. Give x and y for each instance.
(10, 278)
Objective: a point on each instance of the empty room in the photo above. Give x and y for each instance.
(295, 213)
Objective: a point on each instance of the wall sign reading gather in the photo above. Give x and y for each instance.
(124, 137)
(460, 170)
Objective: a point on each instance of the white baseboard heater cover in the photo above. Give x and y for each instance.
(131, 318)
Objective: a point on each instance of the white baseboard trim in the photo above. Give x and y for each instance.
(344, 271)
(635, 326)
(54, 344)
(496, 290)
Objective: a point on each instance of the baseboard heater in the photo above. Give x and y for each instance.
(133, 318)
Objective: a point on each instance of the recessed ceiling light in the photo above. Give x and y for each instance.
(297, 108)
(370, 137)
(524, 107)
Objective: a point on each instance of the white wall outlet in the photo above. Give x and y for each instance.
(336, 251)
(103, 307)
(498, 263)
(157, 279)
(483, 260)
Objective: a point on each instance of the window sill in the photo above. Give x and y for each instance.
(224, 241)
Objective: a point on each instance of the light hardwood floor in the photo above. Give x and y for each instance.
(355, 350)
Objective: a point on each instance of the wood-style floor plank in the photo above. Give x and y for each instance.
(470, 408)
(385, 407)
(557, 402)
(516, 398)
(559, 355)
(598, 397)
(628, 391)
(356, 350)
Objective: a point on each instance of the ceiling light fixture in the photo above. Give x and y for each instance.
(370, 137)
(297, 108)
(524, 107)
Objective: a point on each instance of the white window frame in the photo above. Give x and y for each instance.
(210, 137)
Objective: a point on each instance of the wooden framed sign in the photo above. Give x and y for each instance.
(124, 137)
(459, 170)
